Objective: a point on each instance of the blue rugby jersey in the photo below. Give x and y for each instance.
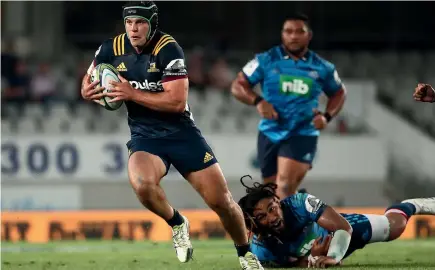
(301, 212)
(293, 88)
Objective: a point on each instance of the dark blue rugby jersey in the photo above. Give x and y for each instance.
(161, 60)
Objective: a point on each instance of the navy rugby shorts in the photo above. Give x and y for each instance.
(186, 150)
(299, 148)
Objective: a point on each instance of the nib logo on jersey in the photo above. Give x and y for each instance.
(149, 86)
(294, 85)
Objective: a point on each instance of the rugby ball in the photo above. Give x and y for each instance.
(106, 73)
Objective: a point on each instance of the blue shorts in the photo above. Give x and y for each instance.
(299, 148)
(361, 234)
(186, 150)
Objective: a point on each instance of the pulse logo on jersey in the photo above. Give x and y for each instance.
(149, 86)
(294, 85)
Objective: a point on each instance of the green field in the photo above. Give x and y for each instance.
(210, 254)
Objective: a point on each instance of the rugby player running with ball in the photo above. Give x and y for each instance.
(154, 87)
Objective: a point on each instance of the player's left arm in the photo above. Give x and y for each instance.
(170, 59)
(317, 211)
(336, 93)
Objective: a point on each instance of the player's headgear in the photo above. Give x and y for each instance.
(146, 10)
(250, 200)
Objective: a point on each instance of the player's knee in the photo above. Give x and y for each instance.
(397, 225)
(221, 203)
(291, 178)
(269, 179)
(145, 186)
(287, 182)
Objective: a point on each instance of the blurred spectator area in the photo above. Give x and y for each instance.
(44, 58)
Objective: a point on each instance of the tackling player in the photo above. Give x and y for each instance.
(154, 86)
(292, 78)
(285, 230)
(424, 93)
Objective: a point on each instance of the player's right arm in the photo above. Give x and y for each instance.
(88, 90)
(241, 88)
(312, 209)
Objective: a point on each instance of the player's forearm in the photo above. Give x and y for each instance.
(243, 93)
(336, 102)
(339, 245)
(163, 101)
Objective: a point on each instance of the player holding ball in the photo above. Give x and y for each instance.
(153, 84)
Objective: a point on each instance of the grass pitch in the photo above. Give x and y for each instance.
(208, 254)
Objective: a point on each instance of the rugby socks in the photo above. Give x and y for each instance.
(406, 209)
(176, 220)
(242, 249)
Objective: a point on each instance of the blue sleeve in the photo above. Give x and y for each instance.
(332, 81)
(268, 259)
(306, 206)
(263, 254)
(253, 71)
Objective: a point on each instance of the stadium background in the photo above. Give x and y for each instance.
(60, 153)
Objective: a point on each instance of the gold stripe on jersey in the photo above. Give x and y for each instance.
(122, 44)
(118, 45)
(162, 40)
(114, 45)
(164, 44)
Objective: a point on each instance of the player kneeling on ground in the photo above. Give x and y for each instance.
(285, 231)
(154, 86)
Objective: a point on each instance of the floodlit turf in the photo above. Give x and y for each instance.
(210, 254)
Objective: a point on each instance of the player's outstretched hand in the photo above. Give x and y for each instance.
(319, 120)
(120, 90)
(266, 110)
(89, 92)
(424, 93)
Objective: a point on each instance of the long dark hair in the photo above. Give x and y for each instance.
(248, 202)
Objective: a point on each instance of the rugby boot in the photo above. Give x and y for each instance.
(250, 262)
(423, 206)
(181, 240)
